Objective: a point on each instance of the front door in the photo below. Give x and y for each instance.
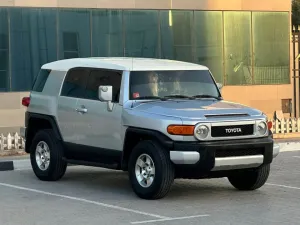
(100, 129)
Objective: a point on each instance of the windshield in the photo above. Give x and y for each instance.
(179, 84)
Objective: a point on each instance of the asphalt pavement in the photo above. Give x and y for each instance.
(93, 196)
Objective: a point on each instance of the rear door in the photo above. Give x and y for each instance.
(68, 118)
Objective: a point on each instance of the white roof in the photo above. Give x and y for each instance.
(123, 63)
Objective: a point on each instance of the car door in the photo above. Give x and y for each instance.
(102, 128)
(68, 118)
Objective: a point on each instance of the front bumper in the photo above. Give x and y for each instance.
(224, 155)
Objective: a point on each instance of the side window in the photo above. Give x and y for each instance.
(40, 80)
(75, 83)
(103, 77)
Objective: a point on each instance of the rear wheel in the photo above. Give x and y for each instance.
(151, 172)
(250, 179)
(46, 156)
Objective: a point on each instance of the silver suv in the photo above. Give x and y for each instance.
(157, 119)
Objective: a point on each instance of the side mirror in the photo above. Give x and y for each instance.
(220, 86)
(105, 95)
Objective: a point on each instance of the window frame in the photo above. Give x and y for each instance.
(49, 71)
(108, 70)
(65, 77)
(90, 69)
(130, 86)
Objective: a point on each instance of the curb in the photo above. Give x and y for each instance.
(7, 166)
(17, 164)
(14, 164)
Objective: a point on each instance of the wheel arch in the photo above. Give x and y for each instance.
(35, 122)
(134, 135)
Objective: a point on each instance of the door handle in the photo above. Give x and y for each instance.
(81, 110)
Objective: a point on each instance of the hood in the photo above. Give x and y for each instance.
(194, 109)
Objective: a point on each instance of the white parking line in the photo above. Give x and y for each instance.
(296, 157)
(285, 186)
(169, 219)
(84, 200)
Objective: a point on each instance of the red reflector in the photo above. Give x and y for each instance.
(26, 101)
(270, 125)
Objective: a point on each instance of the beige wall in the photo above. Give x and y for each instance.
(265, 97)
(11, 111)
(266, 5)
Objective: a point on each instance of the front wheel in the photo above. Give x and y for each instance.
(250, 179)
(151, 171)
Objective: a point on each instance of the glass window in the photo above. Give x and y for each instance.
(75, 83)
(4, 51)
(107, 33)
(209, 42)
(103, 77)
(237, 47)
(141, 33)
(149, 84)
(74, 34)
(271, 47)
(176, 35)
(33, 43)
(41, 80)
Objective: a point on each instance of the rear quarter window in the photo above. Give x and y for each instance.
(40, 80)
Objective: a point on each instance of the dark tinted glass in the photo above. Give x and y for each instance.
(41, 80)
(209, 41)
(271, 47)
(33, 43)
(176, 34)
(103, 77)
(141, 33)
(163, 83)
(237, 46)
(75, 83)
(74, 33)
(4, 51)
(107, 33)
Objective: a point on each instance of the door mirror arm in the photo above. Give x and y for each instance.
(105, 95)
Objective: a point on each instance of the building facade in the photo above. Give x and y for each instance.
(246, 44)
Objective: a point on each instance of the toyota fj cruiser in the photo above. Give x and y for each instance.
(157, 119)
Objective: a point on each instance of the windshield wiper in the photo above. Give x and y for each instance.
(207, 96)
(178, 96)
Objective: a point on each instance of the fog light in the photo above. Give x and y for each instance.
(262, 128)
(201, 132)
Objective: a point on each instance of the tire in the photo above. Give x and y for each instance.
(57, 166)
(164, 170)
(250, 179)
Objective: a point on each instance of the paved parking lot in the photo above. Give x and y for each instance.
(91, 196)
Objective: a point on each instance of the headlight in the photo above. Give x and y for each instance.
(201, 132)
(262, 128)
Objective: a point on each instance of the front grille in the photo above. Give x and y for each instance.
(232, 131)
(238, 152)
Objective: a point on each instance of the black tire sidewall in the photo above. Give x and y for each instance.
(251, 179)
(154, 151)
(48, 137)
